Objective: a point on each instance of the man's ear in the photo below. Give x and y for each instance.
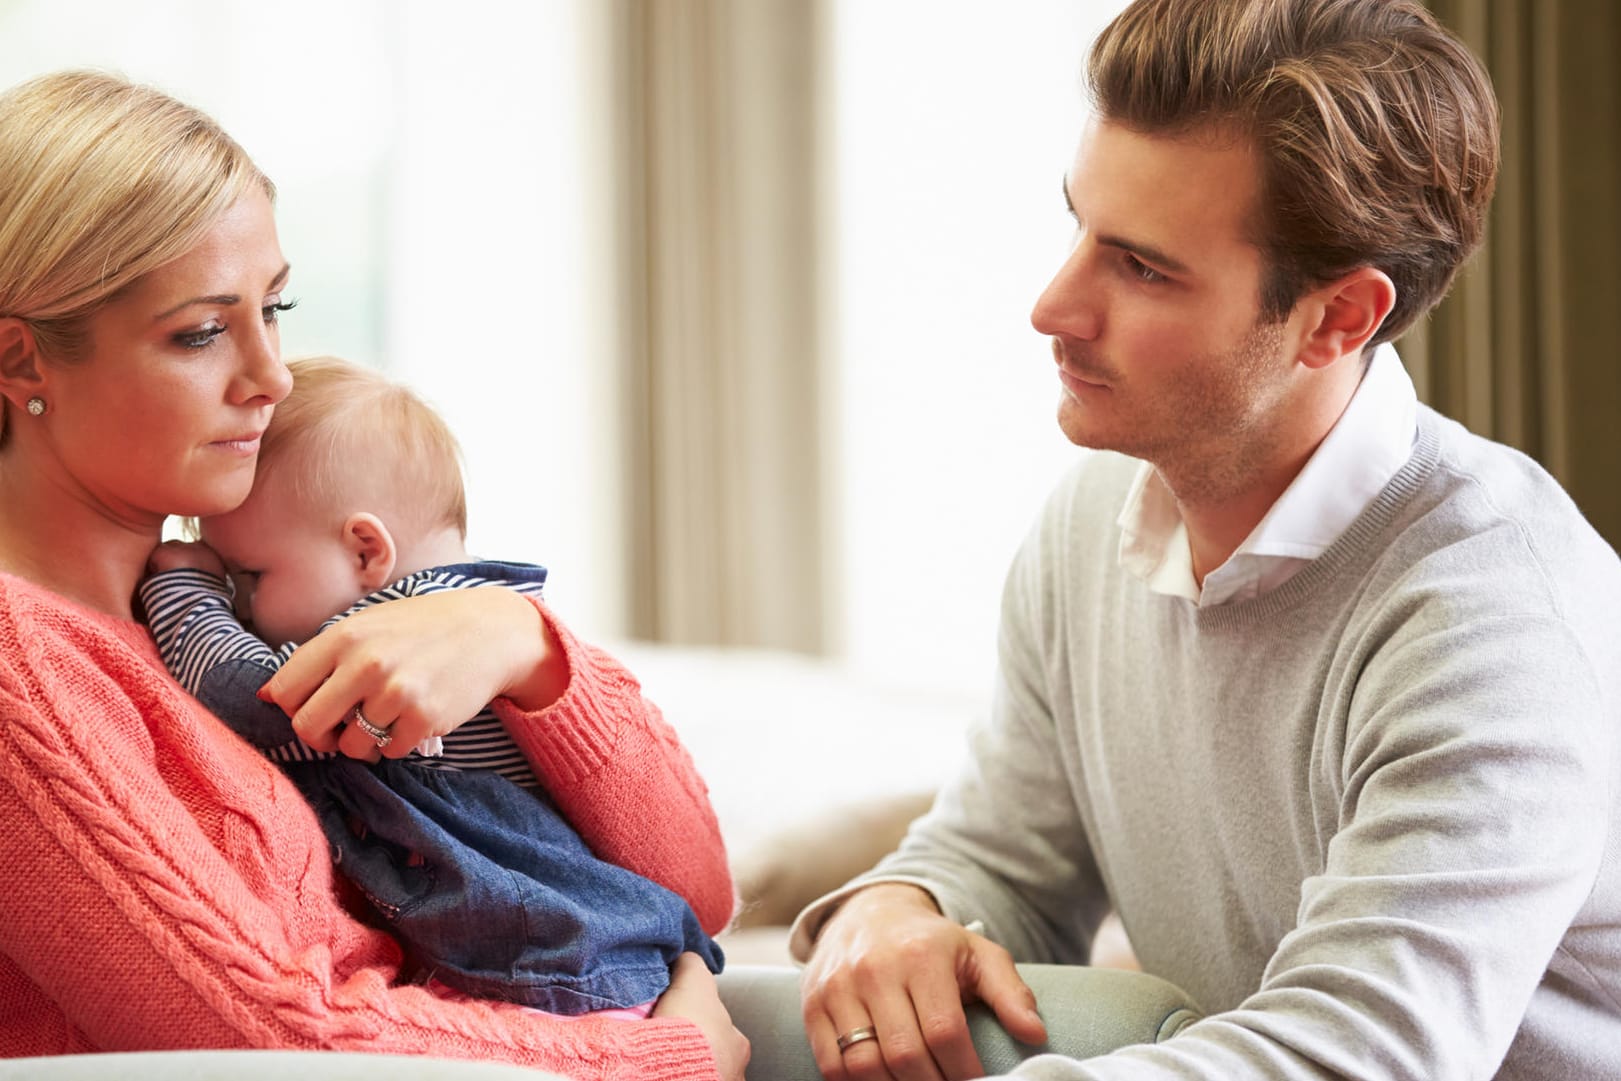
(371, 549)
(21, 374)
(1345, 313)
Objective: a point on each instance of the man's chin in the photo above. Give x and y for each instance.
(1080, 426)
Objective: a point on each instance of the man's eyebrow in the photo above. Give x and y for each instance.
(1149, 253)
(225, 300)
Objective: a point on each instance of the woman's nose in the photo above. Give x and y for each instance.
(264, 374)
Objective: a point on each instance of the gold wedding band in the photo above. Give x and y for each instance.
(855, 1036)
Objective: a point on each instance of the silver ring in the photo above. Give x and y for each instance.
(855, 1036)
(381, 736)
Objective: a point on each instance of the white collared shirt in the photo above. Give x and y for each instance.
(1368, 444)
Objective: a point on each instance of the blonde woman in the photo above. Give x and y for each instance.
(165, 885)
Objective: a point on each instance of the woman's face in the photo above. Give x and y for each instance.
(164, 413)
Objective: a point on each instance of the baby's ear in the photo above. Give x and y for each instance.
(371, 548)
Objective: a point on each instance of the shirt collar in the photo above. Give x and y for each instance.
(1369, 443)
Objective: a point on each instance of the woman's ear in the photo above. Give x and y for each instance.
(371, 550)
(21, 377)
(1349, 311)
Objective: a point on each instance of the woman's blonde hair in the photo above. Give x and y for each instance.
(1376, 129)
(101, 182)
(347, 438)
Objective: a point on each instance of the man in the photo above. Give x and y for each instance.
(1317, 690)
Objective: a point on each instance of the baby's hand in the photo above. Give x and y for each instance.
(193, 555)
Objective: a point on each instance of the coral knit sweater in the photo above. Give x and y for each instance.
(163, 886)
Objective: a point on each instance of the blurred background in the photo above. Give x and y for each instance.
(728, 299)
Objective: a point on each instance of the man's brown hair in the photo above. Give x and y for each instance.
(1376, 130)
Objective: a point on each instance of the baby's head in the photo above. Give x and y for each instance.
(358, 484)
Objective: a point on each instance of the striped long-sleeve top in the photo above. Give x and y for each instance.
(219, 661)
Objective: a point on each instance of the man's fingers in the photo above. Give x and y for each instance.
(944, 1028)
(859, 1059)
(999, 986)
(907, 1053)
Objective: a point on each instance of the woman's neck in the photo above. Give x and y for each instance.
(66, 543)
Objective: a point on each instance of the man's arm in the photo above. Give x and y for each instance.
(1478, 787)
(1003, 849)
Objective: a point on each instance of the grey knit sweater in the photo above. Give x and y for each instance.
(1370, 821)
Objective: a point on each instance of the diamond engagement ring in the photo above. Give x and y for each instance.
(381, 736)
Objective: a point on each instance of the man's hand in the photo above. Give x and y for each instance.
(889, 961)
(194, 555)
(693, 996)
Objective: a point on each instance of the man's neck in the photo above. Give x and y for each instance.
(1223, 495)
(1217, 524)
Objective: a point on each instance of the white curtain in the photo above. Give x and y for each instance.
(720, 289)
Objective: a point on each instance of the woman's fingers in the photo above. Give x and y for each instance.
(425, 664)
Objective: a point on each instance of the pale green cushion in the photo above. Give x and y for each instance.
(1088, 1011)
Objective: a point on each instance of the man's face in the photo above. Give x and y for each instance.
(1155, 315)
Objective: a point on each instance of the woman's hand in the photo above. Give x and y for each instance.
(693, 996)
(419, 667)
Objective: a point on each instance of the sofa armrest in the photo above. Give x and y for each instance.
(260, 1066)
(1089, 1012)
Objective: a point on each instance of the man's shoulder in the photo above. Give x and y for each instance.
(1074, 533)
(1096, 484)
(1489, 522)
(1485, 489)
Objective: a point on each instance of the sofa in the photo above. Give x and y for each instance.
(814, 771)
(1088, 1011)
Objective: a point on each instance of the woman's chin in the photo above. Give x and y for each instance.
(208, 504)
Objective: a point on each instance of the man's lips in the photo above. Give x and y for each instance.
(1078, 384)
(1077, 377)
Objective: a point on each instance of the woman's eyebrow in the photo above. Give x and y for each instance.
(225, 299)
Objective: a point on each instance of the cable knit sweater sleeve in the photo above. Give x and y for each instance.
(625, 782)
(166, 887)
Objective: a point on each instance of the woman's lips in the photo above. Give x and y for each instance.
(247, 443)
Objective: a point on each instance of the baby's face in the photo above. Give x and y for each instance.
(290, 565)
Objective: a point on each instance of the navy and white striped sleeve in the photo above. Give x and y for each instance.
(213, 656)
(191, 618)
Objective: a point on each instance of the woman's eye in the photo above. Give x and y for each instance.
(197, 339)
(272, 312)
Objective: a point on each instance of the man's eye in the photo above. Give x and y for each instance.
(1141, 270)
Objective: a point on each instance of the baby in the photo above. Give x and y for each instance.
(358, 500)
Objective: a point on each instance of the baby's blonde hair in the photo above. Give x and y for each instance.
(101, 182)
(350, 439)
